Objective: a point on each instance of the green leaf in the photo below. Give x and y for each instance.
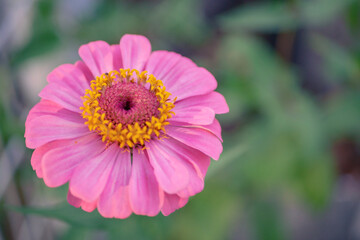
(266, 17)
(319, 12)
(287, 132)
(40, 43)
(134, 227)
(210, 215)
(68, 214)
(341, 65)
(343, 114)
(227, 158)
(267, 221)
(353, 16)
(44, 35)
(283, 16)
(314, 181)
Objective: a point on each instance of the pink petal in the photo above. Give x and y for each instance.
(168, 66)
(194, 115)
(97, 56)
(121, 169)
(90, 177)
(196, 183)
(135, 51)
(74, 201)
(36, 161)
(63, 95)
(172, 202)
(42, 127)
(114, 200)
(199, 160)
(214, 127)
(183, 202)
(194, 81)
(197, 138)
(59, 163)
(88, 206)
(38, 154)
(117, 58)
(170, 171)
(77, 202)
(146, 197)
(213, 100)
(44, 107)
(85, 70)
(70, 76)
(195, 162)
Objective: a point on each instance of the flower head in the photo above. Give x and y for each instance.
(131, 130)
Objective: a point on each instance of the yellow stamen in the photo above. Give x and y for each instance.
(129, 135)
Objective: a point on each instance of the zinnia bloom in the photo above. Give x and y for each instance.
(131, 130)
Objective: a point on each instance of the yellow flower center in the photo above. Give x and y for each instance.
(127, 107)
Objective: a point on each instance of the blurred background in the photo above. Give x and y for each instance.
(290, 71)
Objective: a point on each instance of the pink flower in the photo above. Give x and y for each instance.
(131, 130)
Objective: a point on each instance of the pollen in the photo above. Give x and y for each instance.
(127, 107)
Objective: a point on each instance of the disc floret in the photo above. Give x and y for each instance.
(139, 123)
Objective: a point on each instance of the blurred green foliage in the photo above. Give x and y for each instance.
(284, 15)
(278, 136)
